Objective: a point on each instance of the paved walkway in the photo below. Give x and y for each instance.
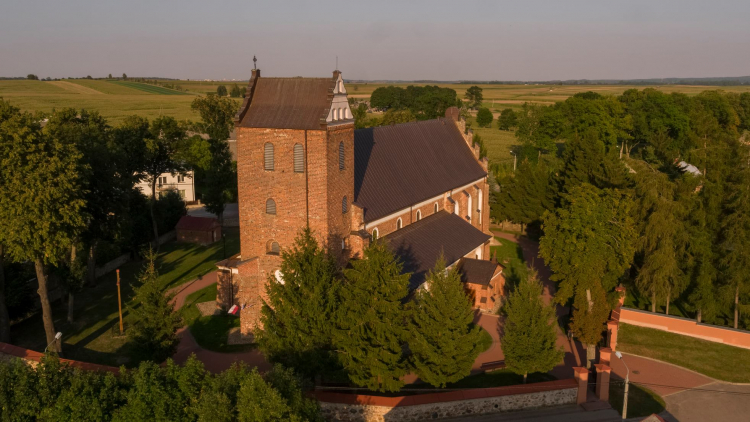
(214, 361)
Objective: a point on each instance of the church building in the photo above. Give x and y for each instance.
(420, 186)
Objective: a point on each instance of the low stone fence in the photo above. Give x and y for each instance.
(9, 351)
(360, 408)
(685, 327)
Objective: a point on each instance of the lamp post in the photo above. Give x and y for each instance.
(627, 381)
(58, 336)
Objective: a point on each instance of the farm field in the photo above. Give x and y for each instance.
(116, 99)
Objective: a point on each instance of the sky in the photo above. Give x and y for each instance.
(377, 40)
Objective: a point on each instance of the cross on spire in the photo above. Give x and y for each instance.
(255, 61)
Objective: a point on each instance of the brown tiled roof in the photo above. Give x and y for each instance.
(188, 222)
(420, 244)
(289, 103)
(477, 271)
(401, 165)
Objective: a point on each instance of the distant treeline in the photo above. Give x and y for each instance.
(717, 81)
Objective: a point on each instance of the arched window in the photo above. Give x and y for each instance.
(273, 248)
(479, 205)
(341, 155)
(343, 206)
(436, 207)
(374, 234)
(299, 158)
(470, 209)
(399, 223)
(270, 206)
(456, 209)
(419, 215)
(268, 156)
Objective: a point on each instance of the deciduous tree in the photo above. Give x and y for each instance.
(484, 117)
(474, 95)
(507, 119)
(217, 115)
(221, 91)
(42, 200)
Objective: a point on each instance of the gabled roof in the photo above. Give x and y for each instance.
(188, 222)
(289, 103)
(401, 165)
(477, 271)
(420, 244)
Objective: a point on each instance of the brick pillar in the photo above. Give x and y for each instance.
(605, 354)
(602, 381)
(621, 290)
(582, 376)
(612, 326)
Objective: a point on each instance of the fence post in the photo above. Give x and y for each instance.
(605, 354)
(582, 376)
(602, 381)
(612, 327)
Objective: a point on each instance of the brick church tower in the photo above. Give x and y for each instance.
(295, 168)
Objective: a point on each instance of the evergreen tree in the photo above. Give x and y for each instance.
(589, 317)
(526, 194)
(370, 335)
(662, 239)
(235, 92)
(155, 323)
(529, 340)
(736, 236)
(221, 91)
(298, 318)
(443, 340)
(474, 95)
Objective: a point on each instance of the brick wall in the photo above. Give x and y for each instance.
(356, 408)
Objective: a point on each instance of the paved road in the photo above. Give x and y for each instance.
(710, 402)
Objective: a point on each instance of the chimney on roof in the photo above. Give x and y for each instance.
(452, 113)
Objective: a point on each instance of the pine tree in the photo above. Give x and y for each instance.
(299, 315)
(530, 330)
(590, 311)
(370, 335)
(443, 339)
(155, 323)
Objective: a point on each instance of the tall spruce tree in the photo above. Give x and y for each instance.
(736, 235)
(662, 236)
(371, 321)
(443, 339)
(529, 340)
(42, 200)
(155, 323)
(298, 318)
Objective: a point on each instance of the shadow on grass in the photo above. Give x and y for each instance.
(210, 332)
(641, 401)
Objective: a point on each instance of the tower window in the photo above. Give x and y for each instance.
(343, 206)
(399, 224)
(419, 215)
(268, 156)
(299, 158)
(341, 155)
(273, 248)
(436, 207)
(270, 206)
(374, 234)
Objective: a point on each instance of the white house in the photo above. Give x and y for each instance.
(182, 184)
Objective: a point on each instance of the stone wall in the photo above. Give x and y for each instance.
(355, 408)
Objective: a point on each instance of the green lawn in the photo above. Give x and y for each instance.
(510, 255)
(726, 363)
(210, 331)
(641, 401)
(94, 336)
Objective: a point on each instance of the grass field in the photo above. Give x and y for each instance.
(116, 99)
(94, 336)
(726, 363)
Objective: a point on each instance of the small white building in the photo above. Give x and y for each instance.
(184, 184)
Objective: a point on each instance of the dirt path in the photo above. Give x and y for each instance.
(214, 361)
(73, 87)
